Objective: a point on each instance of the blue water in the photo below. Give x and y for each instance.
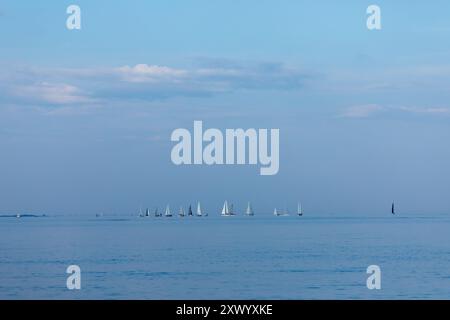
(261, 257)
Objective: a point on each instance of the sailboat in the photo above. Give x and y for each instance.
(141, 214)
(181, 213)
(156, 213)
(226, 212)
(147, 212)
(231, 210)
(190, 211)
(280, 213)
(249, 210)
(393, 208)
(199, 210)
(168, 213)
(299, 209)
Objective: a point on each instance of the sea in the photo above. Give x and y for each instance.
(259, 257)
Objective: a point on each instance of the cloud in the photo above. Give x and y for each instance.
(63, 86)
(150, 73)
(368, 110)
(51, 93)
(426, 110)
(361, 111)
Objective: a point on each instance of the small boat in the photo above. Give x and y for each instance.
(18, 215)
(249, 211)
(280, 213)
(157, 214)
(393, 208)
(141, 214)
(190, 211)
(199, 210)
(168, 213)
(147, 212)
(226, 211)
(181, 213)
(299, 209)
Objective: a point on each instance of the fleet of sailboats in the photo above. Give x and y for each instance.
(227, 211)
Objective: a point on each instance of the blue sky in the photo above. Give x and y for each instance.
(86, 116)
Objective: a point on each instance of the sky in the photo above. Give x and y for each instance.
(86, 115)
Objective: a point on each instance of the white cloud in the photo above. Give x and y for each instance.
(361, 111)
(51, 93)
(64, 86)
(145, 72)
(368, 110)
(427, 110)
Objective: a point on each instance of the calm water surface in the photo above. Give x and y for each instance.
(261, 257)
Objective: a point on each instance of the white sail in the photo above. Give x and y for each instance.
(199, 209)
(299, 209)
(275, 212)
(249, 210)
(168, 213)
(225, 210)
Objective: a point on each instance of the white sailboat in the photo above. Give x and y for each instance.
(181, 213)
(226, 212)
(299, 209)
(280, 213)
(249, 210)
(168, 213)
(199, 210)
